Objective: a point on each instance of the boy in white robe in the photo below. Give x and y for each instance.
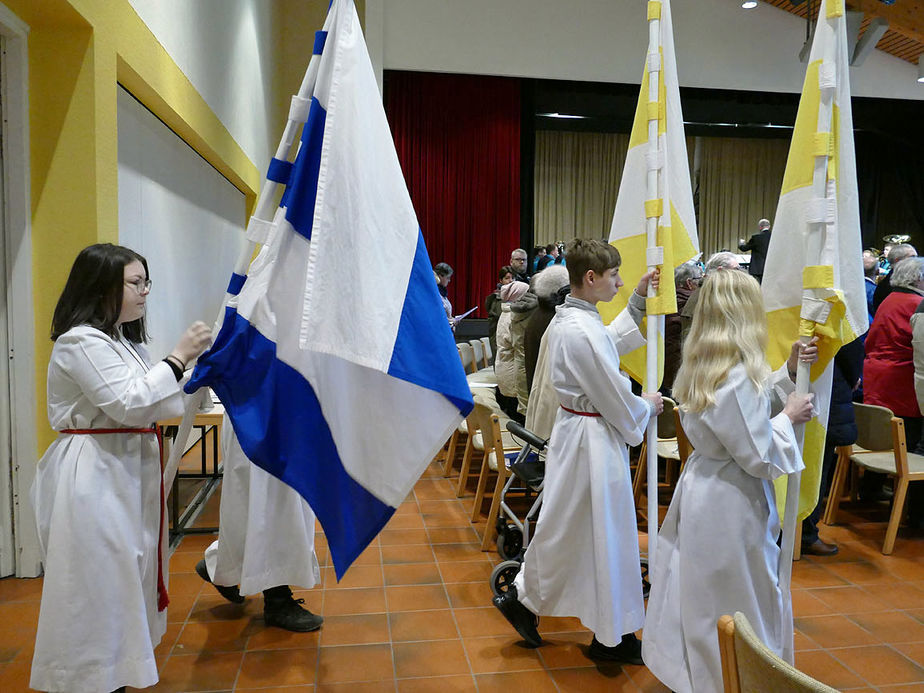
(583, 560)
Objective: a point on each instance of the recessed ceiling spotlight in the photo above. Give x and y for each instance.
(921, 68)
(749, 4)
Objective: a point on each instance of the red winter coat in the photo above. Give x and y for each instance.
(888, 371)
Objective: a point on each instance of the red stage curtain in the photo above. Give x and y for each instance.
(458, 140)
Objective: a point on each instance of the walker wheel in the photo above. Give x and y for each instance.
(509, 542)
(503, 575)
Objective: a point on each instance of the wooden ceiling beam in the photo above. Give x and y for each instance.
(905, 17)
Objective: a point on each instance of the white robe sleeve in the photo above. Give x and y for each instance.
(595, 367)
(764, 448)
(624, 329)
(108, 383)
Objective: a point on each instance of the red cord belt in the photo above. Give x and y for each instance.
(162, 598)
(580, 413)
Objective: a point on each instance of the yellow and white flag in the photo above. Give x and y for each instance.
(813, 277)
(661, 158)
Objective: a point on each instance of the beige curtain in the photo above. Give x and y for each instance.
(576, 181)
(739, 183)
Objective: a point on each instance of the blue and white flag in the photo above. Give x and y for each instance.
(335, 361)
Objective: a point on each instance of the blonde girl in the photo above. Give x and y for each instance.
(717, 550)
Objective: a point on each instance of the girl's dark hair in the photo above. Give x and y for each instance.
(93, 293)
(504, 271)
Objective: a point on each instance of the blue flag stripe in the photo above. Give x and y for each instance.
(279, 171)
(236, 283)
(300, 207)
(293, 443)
(423, 321)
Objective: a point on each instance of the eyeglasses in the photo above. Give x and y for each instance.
(140, 285)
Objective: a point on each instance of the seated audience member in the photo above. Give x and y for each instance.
(870, 277)
(504, 358)
(583, 560)
(518, 262)
(686, 280)
(538, 254)
(841, 430)
(492, 304)
(717, 551)
(550, 288)
(888, 371)
(897, 253)
(718, 261)
(551, 257)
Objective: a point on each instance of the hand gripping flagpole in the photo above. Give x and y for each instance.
(819, 242)
(259, 230)
(654, 257)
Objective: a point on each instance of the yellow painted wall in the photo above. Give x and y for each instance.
(79, 50)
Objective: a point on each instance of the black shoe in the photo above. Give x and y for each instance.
(231, 593)
(521, 618)
(629, 651)
(288, 613)
(819, 548)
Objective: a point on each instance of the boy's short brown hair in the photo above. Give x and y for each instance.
(590, 254)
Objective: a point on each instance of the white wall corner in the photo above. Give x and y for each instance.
(375, 37)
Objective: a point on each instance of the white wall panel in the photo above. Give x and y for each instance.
(718, 44)
(182, 215)
(225, 48)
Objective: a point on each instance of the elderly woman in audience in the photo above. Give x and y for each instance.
(687, 278)
(888, 371)
(505, 366)
(492, 304)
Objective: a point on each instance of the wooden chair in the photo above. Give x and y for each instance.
(488, 352)
(453, 445)
(673, 446)
(474, 444)
(496, 442)
(749, 665)
(478, 349)
(467, 354)
(881, 439)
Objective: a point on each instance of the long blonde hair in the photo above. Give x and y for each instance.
(729, 327)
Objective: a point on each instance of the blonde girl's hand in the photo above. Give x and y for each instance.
(807, 353)
(799, 407)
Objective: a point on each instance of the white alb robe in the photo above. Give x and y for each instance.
(97, 506)
(266, 535)
(717, 551)
(583, 560)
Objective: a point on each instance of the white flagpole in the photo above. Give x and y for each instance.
(818, 241)
(653, 322)
(258, 231)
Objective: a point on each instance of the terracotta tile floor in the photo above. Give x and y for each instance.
(414, 615)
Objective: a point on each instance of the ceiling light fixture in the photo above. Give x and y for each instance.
(921, 68)
(749, 4)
